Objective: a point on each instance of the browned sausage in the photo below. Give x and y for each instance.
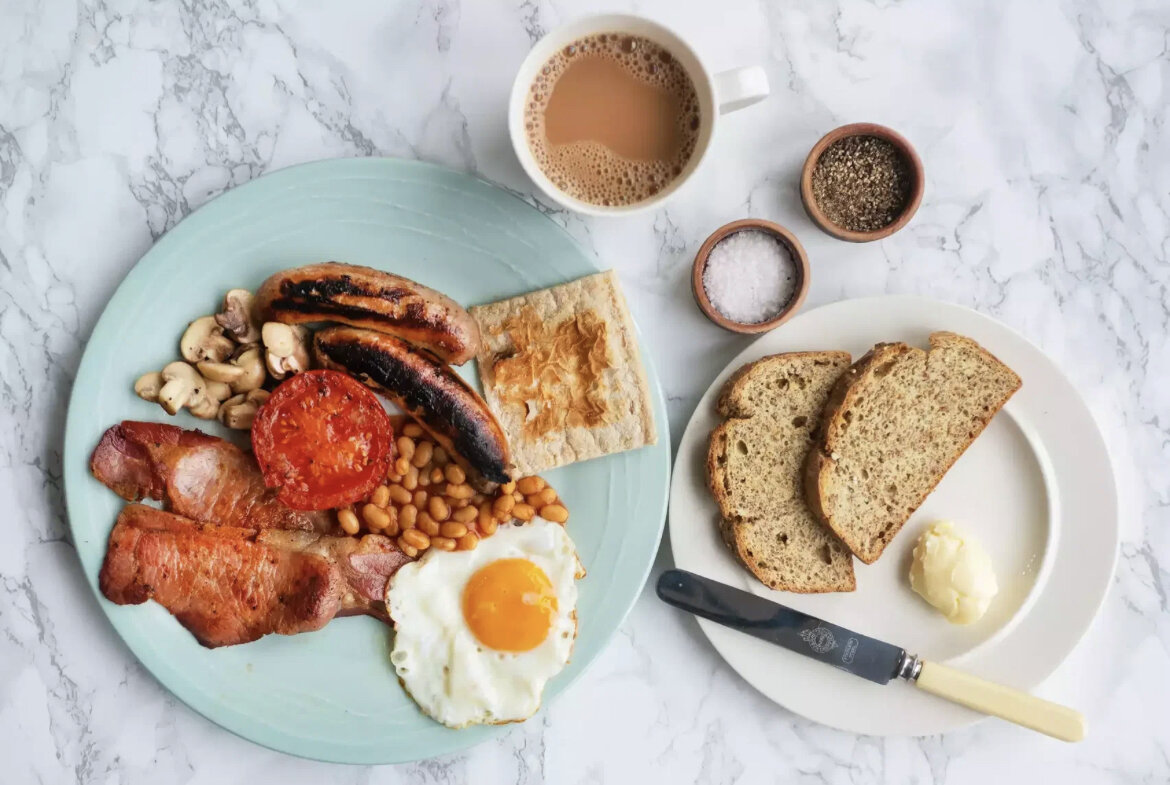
(365, 297)
(426, 389)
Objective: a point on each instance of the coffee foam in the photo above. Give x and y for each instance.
(590, 171)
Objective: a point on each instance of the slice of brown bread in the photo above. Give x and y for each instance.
(754, 468)
(894, 424)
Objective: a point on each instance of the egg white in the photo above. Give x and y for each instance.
(445, 669)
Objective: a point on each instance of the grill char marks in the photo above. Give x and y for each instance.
(319, 300)
(321, 296)
(364, 297)
(414, 379)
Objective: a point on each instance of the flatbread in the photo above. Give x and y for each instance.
(561, 372)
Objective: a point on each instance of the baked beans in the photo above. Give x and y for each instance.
(452, 529)
(557, 513)
(427, 501)
(438, 508)
(465, 514)
(348, 520)
(422, 454)
(380, 496)
(406, 447)
(376, 518)
(427, 524)
(529, 485)
(416, 539)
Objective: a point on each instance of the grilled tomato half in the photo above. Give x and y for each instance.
(323, 439)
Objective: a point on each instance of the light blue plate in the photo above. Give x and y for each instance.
(332, 694)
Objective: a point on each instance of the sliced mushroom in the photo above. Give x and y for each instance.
(220, 372)
(285, 348)
(239, 411)
(253, 375)
(259, 397)
(279, 338)
(237, 317)
(182, 386)
(204, 408)
(245, 348)
(217, 391)
(204, 340)
(233, 412)
(148, 386)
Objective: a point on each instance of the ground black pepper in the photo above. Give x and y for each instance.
(861, 183)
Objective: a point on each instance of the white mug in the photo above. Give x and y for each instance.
(718, 94)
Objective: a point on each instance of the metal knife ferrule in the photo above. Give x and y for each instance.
(909, 667)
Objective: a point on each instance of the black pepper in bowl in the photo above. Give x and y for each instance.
(862, 183)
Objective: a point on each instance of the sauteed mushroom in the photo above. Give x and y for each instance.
(253, 373)
(239, 411)
(237, 318)
(204, 340)
(148, 385)
(286, 348)
(182, 386)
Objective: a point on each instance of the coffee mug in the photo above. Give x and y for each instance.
(718, 94)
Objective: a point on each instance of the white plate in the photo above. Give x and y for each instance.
(1037, 488)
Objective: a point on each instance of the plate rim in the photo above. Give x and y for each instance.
(72, 453)
(724, 640)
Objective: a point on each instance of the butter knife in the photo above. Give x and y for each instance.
(861, 655)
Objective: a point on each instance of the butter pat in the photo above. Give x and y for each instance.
(953, 573)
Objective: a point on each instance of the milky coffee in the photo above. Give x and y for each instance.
(612, 119)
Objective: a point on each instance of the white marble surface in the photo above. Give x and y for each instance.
(1043, 126)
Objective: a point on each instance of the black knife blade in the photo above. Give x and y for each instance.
(831, 644)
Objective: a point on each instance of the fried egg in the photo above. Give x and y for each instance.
(479, 633)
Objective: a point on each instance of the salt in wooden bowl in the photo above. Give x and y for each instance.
(796, 253)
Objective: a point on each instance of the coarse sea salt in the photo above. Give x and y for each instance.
(750, 276)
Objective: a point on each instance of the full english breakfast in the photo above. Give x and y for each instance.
(337, 495)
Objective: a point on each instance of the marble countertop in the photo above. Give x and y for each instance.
(1044, 129)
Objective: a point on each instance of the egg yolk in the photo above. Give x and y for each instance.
(509, 604)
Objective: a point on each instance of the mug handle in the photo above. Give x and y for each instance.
(740, 87)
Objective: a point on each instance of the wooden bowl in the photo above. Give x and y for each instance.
(795, 249)
(862, 129)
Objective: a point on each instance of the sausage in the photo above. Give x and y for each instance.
(428, 390)
(365, 297)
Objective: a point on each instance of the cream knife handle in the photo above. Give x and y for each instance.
(1055, 720)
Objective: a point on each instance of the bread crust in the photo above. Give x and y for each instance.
(730, 526)
(820, 464)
